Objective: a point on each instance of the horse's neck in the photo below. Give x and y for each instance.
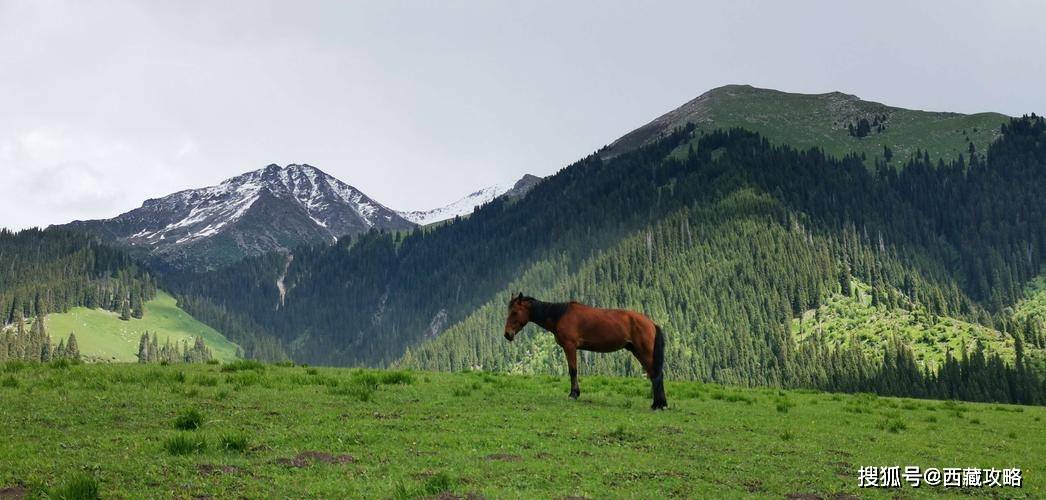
(547, 314)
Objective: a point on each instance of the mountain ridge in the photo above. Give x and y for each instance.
(270, 209)
(823, 120)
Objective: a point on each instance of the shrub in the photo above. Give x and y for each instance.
(213, 361)
(397, 377)
(893, 425)
(10, 381)
(362, 393)
(184, 444)
(438, 483)
(189, 420)
(243, 364)
(233, 442)
(78, 487)
(366, 379)
(205, 380)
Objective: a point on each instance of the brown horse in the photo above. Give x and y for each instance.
(577, 326)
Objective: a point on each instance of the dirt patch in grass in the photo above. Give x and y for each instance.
(754, 486)
(504, 457)
(13, 492)
(210, 469)
(804, 496)
(307, 458)
(446, 495)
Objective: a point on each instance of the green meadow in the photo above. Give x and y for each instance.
(250, 430)
(103, 336)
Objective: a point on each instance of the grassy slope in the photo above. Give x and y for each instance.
(820, 120)
(843, 319)
(495, 435)
(102, 336)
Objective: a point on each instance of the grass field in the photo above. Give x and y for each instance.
(270, 431)
(102, 336)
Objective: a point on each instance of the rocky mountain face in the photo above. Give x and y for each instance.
(271, 209)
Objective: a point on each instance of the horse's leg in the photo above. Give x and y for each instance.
(652, 360)
(571, 353)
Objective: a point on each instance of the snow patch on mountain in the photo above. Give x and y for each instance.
(461, 207)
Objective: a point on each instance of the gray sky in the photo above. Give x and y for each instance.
(104, 104)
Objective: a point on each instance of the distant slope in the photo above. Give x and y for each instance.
(822, 120)
(471, 201)
(102, 336)
(843, 319)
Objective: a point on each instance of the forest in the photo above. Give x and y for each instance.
(722, 236)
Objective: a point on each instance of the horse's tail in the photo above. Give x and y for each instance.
(659, 353)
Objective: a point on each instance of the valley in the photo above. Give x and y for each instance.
(104, 337)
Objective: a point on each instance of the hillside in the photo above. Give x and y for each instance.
(305, 432)
(103, 337)
(822, 120)
(844, 319)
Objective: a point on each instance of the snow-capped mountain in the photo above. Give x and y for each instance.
(274, 208)
(469, 202)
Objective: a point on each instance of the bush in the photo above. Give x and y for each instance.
(189, 420)
(243, 364)
(61, 363)
(10, 381)
(233, 442)
(78, 487)
(184, 444)
(206, 380)
(362, 393)
(398, 377)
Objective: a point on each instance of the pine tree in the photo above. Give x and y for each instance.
(136, 305)
(143, 348)
(125, 310)
(72, 350)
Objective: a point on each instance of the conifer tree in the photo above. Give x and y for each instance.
(143, 348)
(72, 350)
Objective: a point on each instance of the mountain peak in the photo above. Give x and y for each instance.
(272, 208)
(820, 120)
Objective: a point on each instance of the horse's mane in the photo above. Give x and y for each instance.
(546, 312)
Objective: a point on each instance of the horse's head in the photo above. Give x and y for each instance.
(518, 315)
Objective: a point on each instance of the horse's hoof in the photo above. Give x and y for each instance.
(574, 395)
(659, 405)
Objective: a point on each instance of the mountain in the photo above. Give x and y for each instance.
(469, 202)
(828, 121)
(724, 237)
(271, 209)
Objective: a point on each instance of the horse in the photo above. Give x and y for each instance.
(578, 326)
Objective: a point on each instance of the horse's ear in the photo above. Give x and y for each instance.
(520, 296)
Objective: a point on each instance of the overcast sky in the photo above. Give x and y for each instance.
(104, 104)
